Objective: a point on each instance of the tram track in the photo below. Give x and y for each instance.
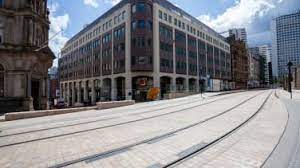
(118, 111)
(216, 141)
(111, 118)
(127, 147)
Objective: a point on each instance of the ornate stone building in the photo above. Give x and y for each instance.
(24, 55)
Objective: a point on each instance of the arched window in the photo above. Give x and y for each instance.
(1, 81)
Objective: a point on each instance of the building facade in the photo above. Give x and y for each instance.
(285, 42)
(266, 52)
(239, 63)
(239, 34)
(263, 55)
(137, 45)
(53, 86)
(254, 80)
(297, 78)
(24, 55)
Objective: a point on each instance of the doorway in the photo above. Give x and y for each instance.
(35, 93)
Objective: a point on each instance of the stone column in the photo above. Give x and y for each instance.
(173, 83)
(29, 85)
(73, 93)
(93, 92)
(69, 94)
(128, 88)
(197, 85)
(61, 91)
(156, 83)
(79, 92)
(85, 92)
(113, 89)
(186, 84)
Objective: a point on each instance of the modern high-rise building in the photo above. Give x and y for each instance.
(239, 34)
(285, 42)
(266, 52)
(140, 44)
(24, 55)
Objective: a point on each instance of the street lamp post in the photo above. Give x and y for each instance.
(290, 64)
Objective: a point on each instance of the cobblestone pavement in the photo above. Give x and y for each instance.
(143, 135)
(287, 153)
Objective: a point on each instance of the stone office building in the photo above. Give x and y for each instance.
(24, 55)
(137, 45)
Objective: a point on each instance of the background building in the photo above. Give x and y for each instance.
(24, 55)
(255, 68)
(297, 78)
(266, 52)
(285, 42)
(53, 85)
(138, 45)
(239, 62)
(239, 34)
(261, 54)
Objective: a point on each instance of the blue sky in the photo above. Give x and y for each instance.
(69, 16)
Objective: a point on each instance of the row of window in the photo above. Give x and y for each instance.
(192, 42)
(105, 26)
(119, 48)
(180, 51)
(141, 7)
(163, 31)
(119, 33)
(166, 63)
(141, 60)
(193, 54)
(179, 36)
(180, 24)
(181, 65)
(166, 47)
(141, 24)
(192, 67)
(140, 42)
(106, 38)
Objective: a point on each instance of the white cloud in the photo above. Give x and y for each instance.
(59, 23)
(93, 3)
(242, 14)
(112, 2)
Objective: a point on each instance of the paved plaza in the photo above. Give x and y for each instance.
(243, 129)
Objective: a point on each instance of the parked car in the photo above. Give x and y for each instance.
(60, 104)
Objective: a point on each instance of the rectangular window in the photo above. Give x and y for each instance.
(175, 21)
(141, 24)
(170, 19)
(160, 14)
(123, 15)
(140, 7)
(115, 19)
(165, 17)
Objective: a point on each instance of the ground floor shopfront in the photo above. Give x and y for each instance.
(130, 87)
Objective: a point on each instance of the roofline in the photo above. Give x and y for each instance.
(164, 3)
(87, 28)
